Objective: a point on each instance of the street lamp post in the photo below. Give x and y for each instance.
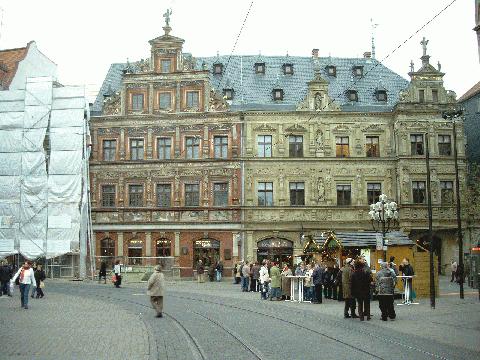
(452, 115)
(384, 215)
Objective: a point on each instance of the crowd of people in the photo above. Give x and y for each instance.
(353, 283)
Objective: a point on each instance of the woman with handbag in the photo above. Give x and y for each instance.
(26, 278)
(118, 274)
(39, 278)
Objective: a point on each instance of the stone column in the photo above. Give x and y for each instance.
(176, 251)
(150, 99)
(122, 144)
(236, 239)
(150, 144)
(148, 243)
(177, 142)
(248, 256)
(120, 244)
(280, 141)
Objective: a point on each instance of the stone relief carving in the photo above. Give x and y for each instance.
(319, 140)
(295, 128)
(373, 128)
(217, 102)
(112, 105)
(265, 127)
(320, 190)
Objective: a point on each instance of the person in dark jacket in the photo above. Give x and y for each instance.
(211, 272)
(337, 283)
(407, 270)
(361, 280)
(39, 278)
(6, 273)
(328, 282)
(384, 287)
(317, 278)
(347, 289)
(103, 272)
(335, 272)
(219, 271)
(255, 276)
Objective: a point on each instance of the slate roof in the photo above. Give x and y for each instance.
(470, 93)
(254, 91)
(9, 60)
(364, 239)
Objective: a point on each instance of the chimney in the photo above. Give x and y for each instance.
(315, 53)
(367, 54)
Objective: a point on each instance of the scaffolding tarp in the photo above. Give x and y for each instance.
(43, 163)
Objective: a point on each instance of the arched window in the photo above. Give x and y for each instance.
(163, 247)
(107, 247)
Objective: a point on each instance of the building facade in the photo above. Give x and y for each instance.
(302, 145)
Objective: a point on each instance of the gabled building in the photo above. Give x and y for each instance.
(310, 143)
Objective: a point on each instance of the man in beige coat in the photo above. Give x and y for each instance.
(155, 289)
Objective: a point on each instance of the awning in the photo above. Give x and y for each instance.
(365, 239)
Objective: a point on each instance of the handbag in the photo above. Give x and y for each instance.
(42, 284)
(114, 278)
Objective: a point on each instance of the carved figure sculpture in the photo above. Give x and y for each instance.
(321, 190)
(167, 16)
(319, 140)
(318, 101)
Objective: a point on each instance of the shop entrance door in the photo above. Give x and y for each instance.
(135, 252)
(275, 249)
(207, 250)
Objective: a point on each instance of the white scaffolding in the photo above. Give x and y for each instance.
(44, 186)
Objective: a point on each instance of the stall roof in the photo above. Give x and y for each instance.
(363, 239)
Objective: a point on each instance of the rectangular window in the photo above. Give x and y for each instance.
(192, 147)
(444, 145)
(372, 146)
(342, 146)
(165, 65)
(265, 194)
(435, 96)
(192, 99)
(421, 96)
(344, 195)
(136, 149)
(220, 194)
(164, 148)
(446, 188)
(416, 144)
(164, 195)
(264, 145)
(165, 100)
(109, 150)
(192, 195)
(108, 195)
(220, 144)
(374, 190)
(295, 146)
(297, 193)
(135, 195)
(418, 192)
(137, 102)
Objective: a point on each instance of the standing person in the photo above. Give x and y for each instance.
(384, 287)
(103, 272)
(242, 264)
(460, 274)
(5, 276)
(317, 279)
(211, 271)
(255, 276)
(347, 289)
(393, 266)
(453, 268)
(337, 283)
(156, 289)
(219, 270)
(245, 276)
(276, 282)
(264, 280)
(300, 270)
(407, 270)
(26, 278)
(39, 278)
(308, 285)
(200, 272)
(118, 273)
(328, 282)
(335, 272)
(286, 282)
(238, 276)
(361, 280)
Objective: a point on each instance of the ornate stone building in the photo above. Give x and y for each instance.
(312, 141)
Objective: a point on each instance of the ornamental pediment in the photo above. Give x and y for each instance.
(264, 127)
(373, 128)
(295, 128)
(341, 128)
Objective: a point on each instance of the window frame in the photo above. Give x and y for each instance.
(162, 61)
(159, 194)
(216, 67)
(421, 95)
(435, 95)
(381, 93)
(107, 150)
(260, 68)
(159, 95)
(265, 188)
(419, 190)
(278, 94)
(110, 200)
(109, 250)
(136, 148)
(191, 198)
(442, 147)
(295, 148)
(220, 194)
(187, 94)
(164, 147)
(228, 94)
(135, 201)
(167, 249)
(264, 146)
(372, 150)
(331, 70)
(287, 69)
(342, 146)
(190, 148)
(135, 102)
(414, 144)
(357, 71)
(450, 189)
(223, 146)
(374, 190)
(344, 194)
(297, 193)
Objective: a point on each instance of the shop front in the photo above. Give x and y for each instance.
(207, 250)
(275, 249)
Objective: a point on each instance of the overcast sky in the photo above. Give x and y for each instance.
(85, 37)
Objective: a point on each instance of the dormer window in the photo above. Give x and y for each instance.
(357, 71)
(165, 65)
(218, 69)
(381, 95)
(259, 68)
(288, 69)
(352, 95)
(331, 70)
(228, 94)
(277, 94)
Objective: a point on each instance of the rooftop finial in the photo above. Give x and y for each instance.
(424, 44)
(412, 66)
(373, 37)
(439, 66)
(167, 17)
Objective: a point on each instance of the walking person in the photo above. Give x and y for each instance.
(5, 276)
(200, 272)
(118, 274)
(276, 282)
(40, 277)
(347, 289)
(26, 278)
(156, 289)
(361, 280)
(317, 279)
(384, 287)
(237, 274)
(103, 272)
(264, 280)
(453, 269)
(245, 276)
(255, 276)
(219, 270)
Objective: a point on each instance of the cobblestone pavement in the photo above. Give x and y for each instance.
(86, 320)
